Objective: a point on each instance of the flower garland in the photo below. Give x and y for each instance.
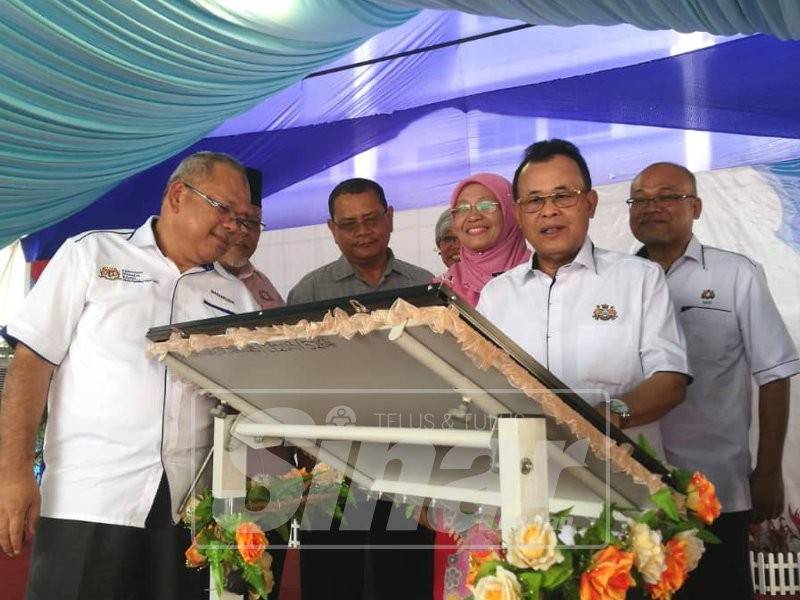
(654, 550)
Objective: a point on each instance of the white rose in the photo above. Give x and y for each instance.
(694, 548)
(534, 546)
(503, 585)
(648, 551)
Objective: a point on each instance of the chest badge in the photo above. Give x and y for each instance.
(604, 312)
(708, 294)
(111, 273)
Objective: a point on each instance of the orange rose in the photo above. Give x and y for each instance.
(609, 575)
(674, 575)
(701, 498)
(193, 556)
(251, 541)
(476, 561)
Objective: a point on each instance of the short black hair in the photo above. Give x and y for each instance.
(545, 150)
(357, 185)
(254, 178)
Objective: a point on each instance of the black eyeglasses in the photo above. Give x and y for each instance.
(661, 200)
(226, 211)
(560, 199)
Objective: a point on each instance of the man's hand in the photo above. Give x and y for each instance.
(766, 489)
(19, 509)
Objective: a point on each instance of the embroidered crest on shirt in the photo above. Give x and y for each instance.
(604, 312)
(111, 273)
(708, 295)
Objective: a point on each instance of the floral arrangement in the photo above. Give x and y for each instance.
(654, 550)
(777, 535)
(234, 547)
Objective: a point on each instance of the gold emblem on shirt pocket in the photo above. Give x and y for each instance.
(604, 312)
(111, 273)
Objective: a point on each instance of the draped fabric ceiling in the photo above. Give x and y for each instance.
(92, 94)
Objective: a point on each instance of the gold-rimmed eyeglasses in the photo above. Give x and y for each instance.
(226, 211)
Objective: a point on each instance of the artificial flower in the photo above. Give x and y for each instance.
(701, 498)
(503, 585)
(648, 552)
(533, 546)
(476, 561)
(694, 548)
(193, 557)
(250, 541)
(608, 576)
(674, 575)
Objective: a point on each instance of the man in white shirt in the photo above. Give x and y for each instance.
(601, 321)
(121, 431)
(734, 335)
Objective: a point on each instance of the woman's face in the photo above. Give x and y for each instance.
(477, 229)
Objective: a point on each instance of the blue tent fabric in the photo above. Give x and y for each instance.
(718, 96)
(780, 18)
(93, 92)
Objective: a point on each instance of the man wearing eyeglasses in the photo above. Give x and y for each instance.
(361, 225)
(601, 321)
(734, 335)
(237, 259)
(121, 430)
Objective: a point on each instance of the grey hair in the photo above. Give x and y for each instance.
(199, 165)
(444, 223)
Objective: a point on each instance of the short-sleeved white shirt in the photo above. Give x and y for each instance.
(605, 322)
(734, 333)
(116, 418)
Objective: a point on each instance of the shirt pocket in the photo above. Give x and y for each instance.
(712, 333)
(607, 355)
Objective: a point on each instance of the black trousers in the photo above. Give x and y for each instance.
(393, 559)
(724, 569)
(79, 560)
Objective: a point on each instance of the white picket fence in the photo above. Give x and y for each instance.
(775, 574)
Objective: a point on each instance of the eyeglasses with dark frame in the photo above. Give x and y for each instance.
(659, 200)
(561, 199)
(351, 225)
(482, 206)
(226, 211)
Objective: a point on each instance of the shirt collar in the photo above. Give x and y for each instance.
(694, 251)
(585, 257)
(145, 236)
(342, 269)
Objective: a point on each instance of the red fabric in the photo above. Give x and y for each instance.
(14, 574)
(37, 267)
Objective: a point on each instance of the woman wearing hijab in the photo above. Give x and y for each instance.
(491, 243)
(491, 240)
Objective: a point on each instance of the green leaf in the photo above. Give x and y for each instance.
(663, 499)
(409, 510)
(487, 568)
(218, 576)
(255, 578)
(647, 447)
(558, 519)
(570, 591)
(682, 479)
(599, 533)
(558, 574)
(649, 518)
(706, 536)
(531, 582)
